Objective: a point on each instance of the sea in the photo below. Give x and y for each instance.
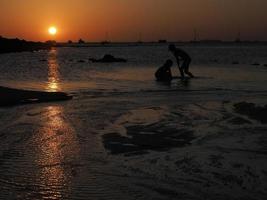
(68, 69)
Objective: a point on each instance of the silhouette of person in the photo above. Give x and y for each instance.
(182, 56)
(164, 73)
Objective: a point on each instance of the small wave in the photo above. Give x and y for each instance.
(106, 93)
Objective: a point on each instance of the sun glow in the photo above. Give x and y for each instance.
(52, 30)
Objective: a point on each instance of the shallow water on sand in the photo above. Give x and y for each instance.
(69, 69)
(124, 136)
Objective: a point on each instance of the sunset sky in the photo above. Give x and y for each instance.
(124, 20)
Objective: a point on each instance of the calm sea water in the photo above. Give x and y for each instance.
(69, 69)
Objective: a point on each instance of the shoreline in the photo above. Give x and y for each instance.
(17, 45)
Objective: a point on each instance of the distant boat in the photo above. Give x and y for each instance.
(81, 41)
(238, 38)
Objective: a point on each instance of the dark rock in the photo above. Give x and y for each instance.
(258, 113)
(108, 59)
(11, 96)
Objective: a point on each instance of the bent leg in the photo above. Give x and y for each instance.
(186, 68)
(181, 72)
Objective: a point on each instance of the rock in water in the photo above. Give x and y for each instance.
(258, 113)
(108, 59)
(11, 96)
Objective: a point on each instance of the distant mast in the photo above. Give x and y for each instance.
(106, 41)
(195, 35)
(140, 40)
(238, 38)
(107, 36)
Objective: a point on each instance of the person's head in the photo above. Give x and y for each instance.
(168, 63)
(172, 47)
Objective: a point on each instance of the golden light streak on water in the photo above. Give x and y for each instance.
(53, 72)
(57, 151)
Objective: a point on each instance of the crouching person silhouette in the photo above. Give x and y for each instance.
(164, 73)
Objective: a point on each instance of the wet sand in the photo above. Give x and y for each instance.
(193, 151)
(124, 136)
(95, 148)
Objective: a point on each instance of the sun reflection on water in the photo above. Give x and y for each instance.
(57, 151)
(53, 72)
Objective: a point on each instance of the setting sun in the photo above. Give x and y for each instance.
(52, 30)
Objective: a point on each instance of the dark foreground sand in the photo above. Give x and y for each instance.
(212, 150)
(11, 96)
(122, 147)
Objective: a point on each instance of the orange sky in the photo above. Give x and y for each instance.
(124, 20)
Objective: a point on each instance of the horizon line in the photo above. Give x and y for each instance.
(139, 41)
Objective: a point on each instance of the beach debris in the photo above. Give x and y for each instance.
(81, 61)
(265, 65)
(255, 64)
(108, 59)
